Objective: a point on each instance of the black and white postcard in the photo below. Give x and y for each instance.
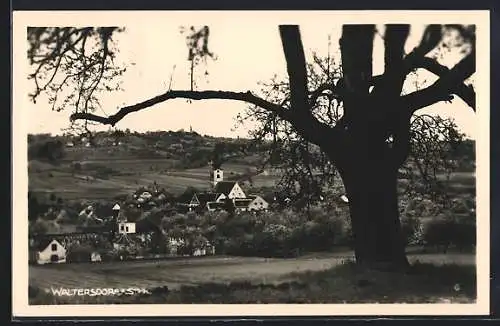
(250, 163)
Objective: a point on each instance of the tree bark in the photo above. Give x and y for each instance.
(370, 181)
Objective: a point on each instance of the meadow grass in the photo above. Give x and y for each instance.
(344, 282)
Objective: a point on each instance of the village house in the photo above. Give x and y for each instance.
(223, 190)
(230, 189)
(49, 251)
(202, 199)
(214, 206)
(126, 228)
(251, 203)
(242, 204)
(257, 203)
(95, 257)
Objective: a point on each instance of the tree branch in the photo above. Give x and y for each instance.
(394, 73)
(450, 82)
(356, 46)
(193, 95)
(296, 66)
(465, 92)
(430, 39)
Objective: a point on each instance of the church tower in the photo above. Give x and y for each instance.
(218, 175)
(215, 175)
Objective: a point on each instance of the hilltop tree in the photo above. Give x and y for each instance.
(373, 130)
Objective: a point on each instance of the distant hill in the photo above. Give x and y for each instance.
(114, 163)
(117, 162)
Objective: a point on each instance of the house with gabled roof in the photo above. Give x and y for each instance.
(241, 204)
(251, 203)
(257, 203)
(201, 199)
(50, 251)
(231, 189)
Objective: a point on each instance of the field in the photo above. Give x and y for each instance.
(179, 273)
(130, 173)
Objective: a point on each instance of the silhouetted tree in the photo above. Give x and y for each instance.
(369, 142)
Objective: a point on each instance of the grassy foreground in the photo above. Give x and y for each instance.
(346, 283)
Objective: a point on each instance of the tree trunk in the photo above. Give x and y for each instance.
(371, 186)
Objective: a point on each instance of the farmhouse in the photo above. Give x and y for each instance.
(251, 203)
(257, 203)
(126, 228)
(95, 257)
(50, 251)
(201, 199)
(230, 189)
(214, 206)
(242, 204)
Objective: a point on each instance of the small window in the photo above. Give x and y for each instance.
(121, 227)
(218, 176)
(54, 247)
(126, 229)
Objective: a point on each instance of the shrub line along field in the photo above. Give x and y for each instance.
(195, 271)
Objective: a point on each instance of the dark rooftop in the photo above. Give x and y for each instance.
(224, 187)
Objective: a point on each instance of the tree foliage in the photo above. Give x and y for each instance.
(73, 66)
(51, 151)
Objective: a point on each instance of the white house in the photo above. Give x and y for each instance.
(50, 251)
(251, 203)
(126, 227)
(230, 189)
(95, 257)
(258, 203)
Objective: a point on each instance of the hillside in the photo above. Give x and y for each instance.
(115, 163)
(110, 164)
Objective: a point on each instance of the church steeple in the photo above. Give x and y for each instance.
(215, 175)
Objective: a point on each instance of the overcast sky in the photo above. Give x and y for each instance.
(249, 50)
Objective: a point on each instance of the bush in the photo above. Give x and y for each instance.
(79, 254)
(449, 232)
(284, 234)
